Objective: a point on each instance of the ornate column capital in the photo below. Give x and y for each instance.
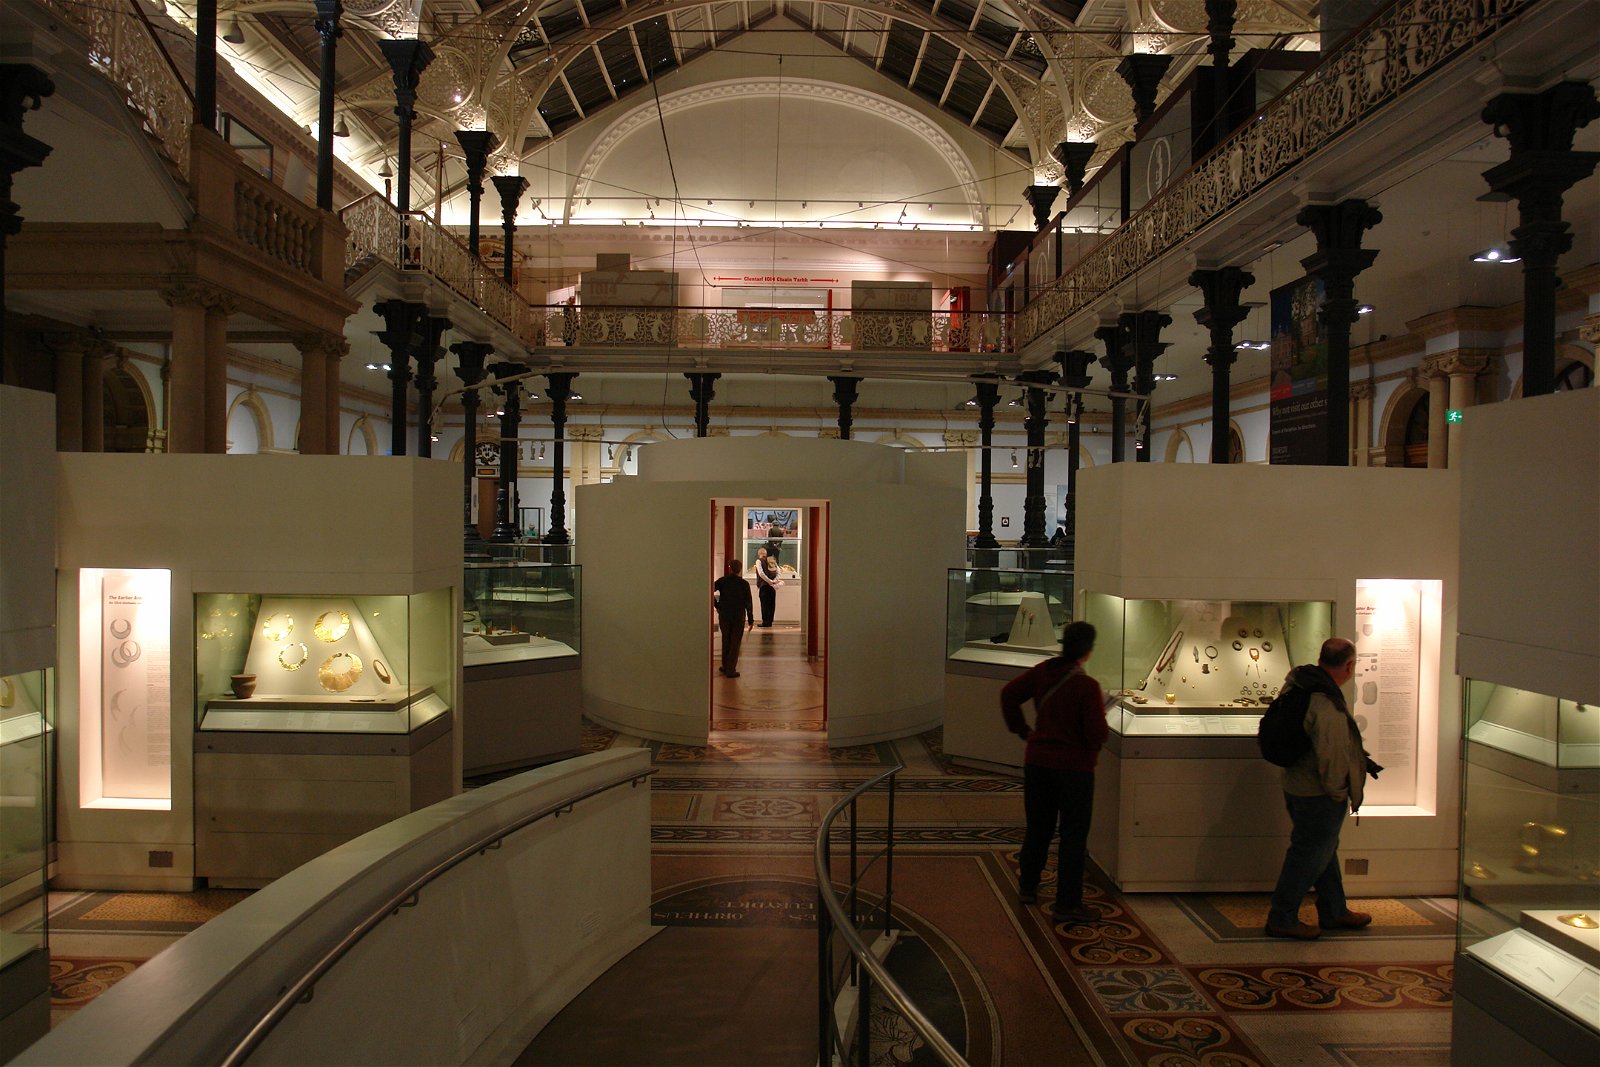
(191, 292)
(828, 432)
(960, 438)
(1589, 330)
(1361, 390)
(1457, 361)
(317, 343)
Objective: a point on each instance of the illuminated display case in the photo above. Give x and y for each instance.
(778, 530)
(520, 611)
(1530, 845)
(323, 663)
(1198, 666)
(27, 736)
(1009, 617)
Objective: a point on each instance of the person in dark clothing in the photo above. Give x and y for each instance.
(731, 596)
(1064, 743)
(767, 586)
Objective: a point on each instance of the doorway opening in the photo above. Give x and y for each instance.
(778, 685)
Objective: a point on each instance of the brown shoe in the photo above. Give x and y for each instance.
(1350, 920)
(1299, 931)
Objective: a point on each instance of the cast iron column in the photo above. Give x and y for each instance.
(1221, 289)
(476, 146)
(205, 64)
(1074, 157)
(1220, 17)
(510, 187)
(1144, 329)
(505, 525)
(988, 397)
(701, 391)
(1118, 359)
(408, 58)
(560, 392)
(1337, 261)
(1075, 365)
(1041, 198)
(1033, 535)
(1542, 167)
(470, 359)
(22, 87)
(428, 353)
(329, 30)
(403, 325)
(845, 391)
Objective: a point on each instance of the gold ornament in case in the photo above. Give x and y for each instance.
(278, 626)
(1581, 919)
(381, 671)
(339, 672)
(294, 663)
(331, 625)
(8, 693)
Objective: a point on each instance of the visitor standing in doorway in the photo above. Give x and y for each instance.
(767, 583)
(735, 614)
(1069, 728)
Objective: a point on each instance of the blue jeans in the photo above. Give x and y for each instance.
(1050, 797)
(1312, 861)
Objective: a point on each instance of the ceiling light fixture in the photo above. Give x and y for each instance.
(1365, 309)
(235, 33)
(386, 171)
(341, 128)
(1496, 254)
(1254, 346)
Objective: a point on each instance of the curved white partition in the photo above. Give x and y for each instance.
(469, 970)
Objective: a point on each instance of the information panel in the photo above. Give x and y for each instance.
(126, 720)
(1388, 659)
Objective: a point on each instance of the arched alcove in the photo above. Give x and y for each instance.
(1179, 448)
(249, 424)
(128, 405)
(363, 440)
(1236, 452)
(1404, 428)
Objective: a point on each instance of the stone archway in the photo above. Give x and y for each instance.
(128, 405)
(249, 424)
(1404, 430)
(1180, 449)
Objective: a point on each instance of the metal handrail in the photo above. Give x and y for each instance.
(301, 989)
(831, 917)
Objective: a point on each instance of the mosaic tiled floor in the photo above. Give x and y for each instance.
(1159, 980)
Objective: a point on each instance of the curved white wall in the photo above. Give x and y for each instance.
(896, 522)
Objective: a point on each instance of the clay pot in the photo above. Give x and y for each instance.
(243, 685)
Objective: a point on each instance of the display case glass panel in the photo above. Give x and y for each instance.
(520, 611)
(125, 688)
(331, 663)
(26, 736)
(1005, 616)
(778, 530)
(1530, 845)
(1198, 666)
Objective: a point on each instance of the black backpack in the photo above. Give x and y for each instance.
(1282, 731)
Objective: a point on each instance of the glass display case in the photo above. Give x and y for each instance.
(1198, 666)
(379, 664)
(778, 530)
(520, 611)
(1010, 617)
(26, 736)
(1530, 845)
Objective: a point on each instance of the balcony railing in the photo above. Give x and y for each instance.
(777, 329)
(412, 242)
(1370, 68)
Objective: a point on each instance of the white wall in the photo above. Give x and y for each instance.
(646, 547)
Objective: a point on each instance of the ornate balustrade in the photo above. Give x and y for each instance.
(769, 329)
(411, 241)
(121, 48)
(273, 222)
(1373, 66)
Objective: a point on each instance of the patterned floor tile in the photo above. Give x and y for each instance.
(1187, 1042)
(1333, 988)
(1144, 990)
(764, 808)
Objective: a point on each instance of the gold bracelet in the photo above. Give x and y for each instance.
(381, 671)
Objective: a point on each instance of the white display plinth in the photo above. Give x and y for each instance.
(1184, 801)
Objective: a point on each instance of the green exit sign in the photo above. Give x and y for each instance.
(1453, 415)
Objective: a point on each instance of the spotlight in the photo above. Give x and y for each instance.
(1365, 309)
(1253, 346)
(1495, 254)
(1166, 377)
(234, 34)
(1013, 458)
(611, 453)
(627, 457)
(541, 449)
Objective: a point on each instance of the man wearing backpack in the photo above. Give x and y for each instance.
(1318, 788)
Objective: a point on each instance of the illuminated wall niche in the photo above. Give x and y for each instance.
(125, 688)
(1397, 690)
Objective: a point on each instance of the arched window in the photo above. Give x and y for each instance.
(1235, 444)
(1416, 434)
(127, 414)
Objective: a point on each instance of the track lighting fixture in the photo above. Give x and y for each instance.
(1013, 458)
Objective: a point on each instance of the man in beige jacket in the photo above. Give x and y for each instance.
(1318, 789)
